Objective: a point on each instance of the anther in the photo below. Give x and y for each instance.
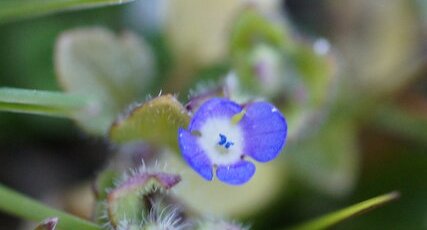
(228, 144)
(223, 139)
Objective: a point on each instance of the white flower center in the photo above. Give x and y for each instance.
(221, 140)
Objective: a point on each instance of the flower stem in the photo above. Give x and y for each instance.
(40, 102)
(19, 205)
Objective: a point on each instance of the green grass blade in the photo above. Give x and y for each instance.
(19, 205)
(11, 10)
(334, 218)
(40, 102)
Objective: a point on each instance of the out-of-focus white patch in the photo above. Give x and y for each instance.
(267, 63)
(148, 15)
(321, 46)
(209, 140)
(231, 81)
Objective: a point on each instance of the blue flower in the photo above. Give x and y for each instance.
(223, 133)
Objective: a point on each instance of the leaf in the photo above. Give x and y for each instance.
(310, 86)
(400, 121)
(40, 102)
(127, 201)
(253, 27)
(103, 183)
(21, 206)
(272, 63)
(155, 121)
(219, 199)
(334, 218)
(113, 71)
(11, 10)
(315, 70)
(256, 47)
(327, 161)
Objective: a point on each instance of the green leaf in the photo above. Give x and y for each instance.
(11, 10)
(310, 85)
(220, 199)
(155, 121)
(271, 63)
(257, 45)
(103, 183)
(316, 72)
(334, 218)
(40, 102)
(113, 71)
(327, 161)
(253, 27)
(19, 205)
(128, 201)
(400, 121)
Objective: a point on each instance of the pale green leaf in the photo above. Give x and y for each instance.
(400, 121)
(112, 70)
(327, 161)
(155, 121)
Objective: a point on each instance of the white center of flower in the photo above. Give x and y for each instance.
(221, 140)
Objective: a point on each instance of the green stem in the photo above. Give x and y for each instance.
(19, 205)
(12, 10)
(40, 102)
(334, 218)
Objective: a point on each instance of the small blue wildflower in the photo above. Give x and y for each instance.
(222, 133)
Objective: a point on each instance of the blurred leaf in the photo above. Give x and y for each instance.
(334, 218)
(327, 161)
(104, 181)
(114, 71)
(269, 61)
(309, 89)
(315, 70)
(219, 199)
(376, 53)
(19, 205)
(126, 205)
(40, 102)
(130, 200)
(164, 114)
(423, 9)
(391, 163)
(257, 45)
(11, 10)
(253, 27)
(397, 120)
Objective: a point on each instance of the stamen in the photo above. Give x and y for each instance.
(228, 144)
(223, 139)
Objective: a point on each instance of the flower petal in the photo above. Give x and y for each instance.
(236, 174)
(264, 129)
(194, 155)
(215, 107)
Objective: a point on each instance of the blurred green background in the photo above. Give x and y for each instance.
(371, 139)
